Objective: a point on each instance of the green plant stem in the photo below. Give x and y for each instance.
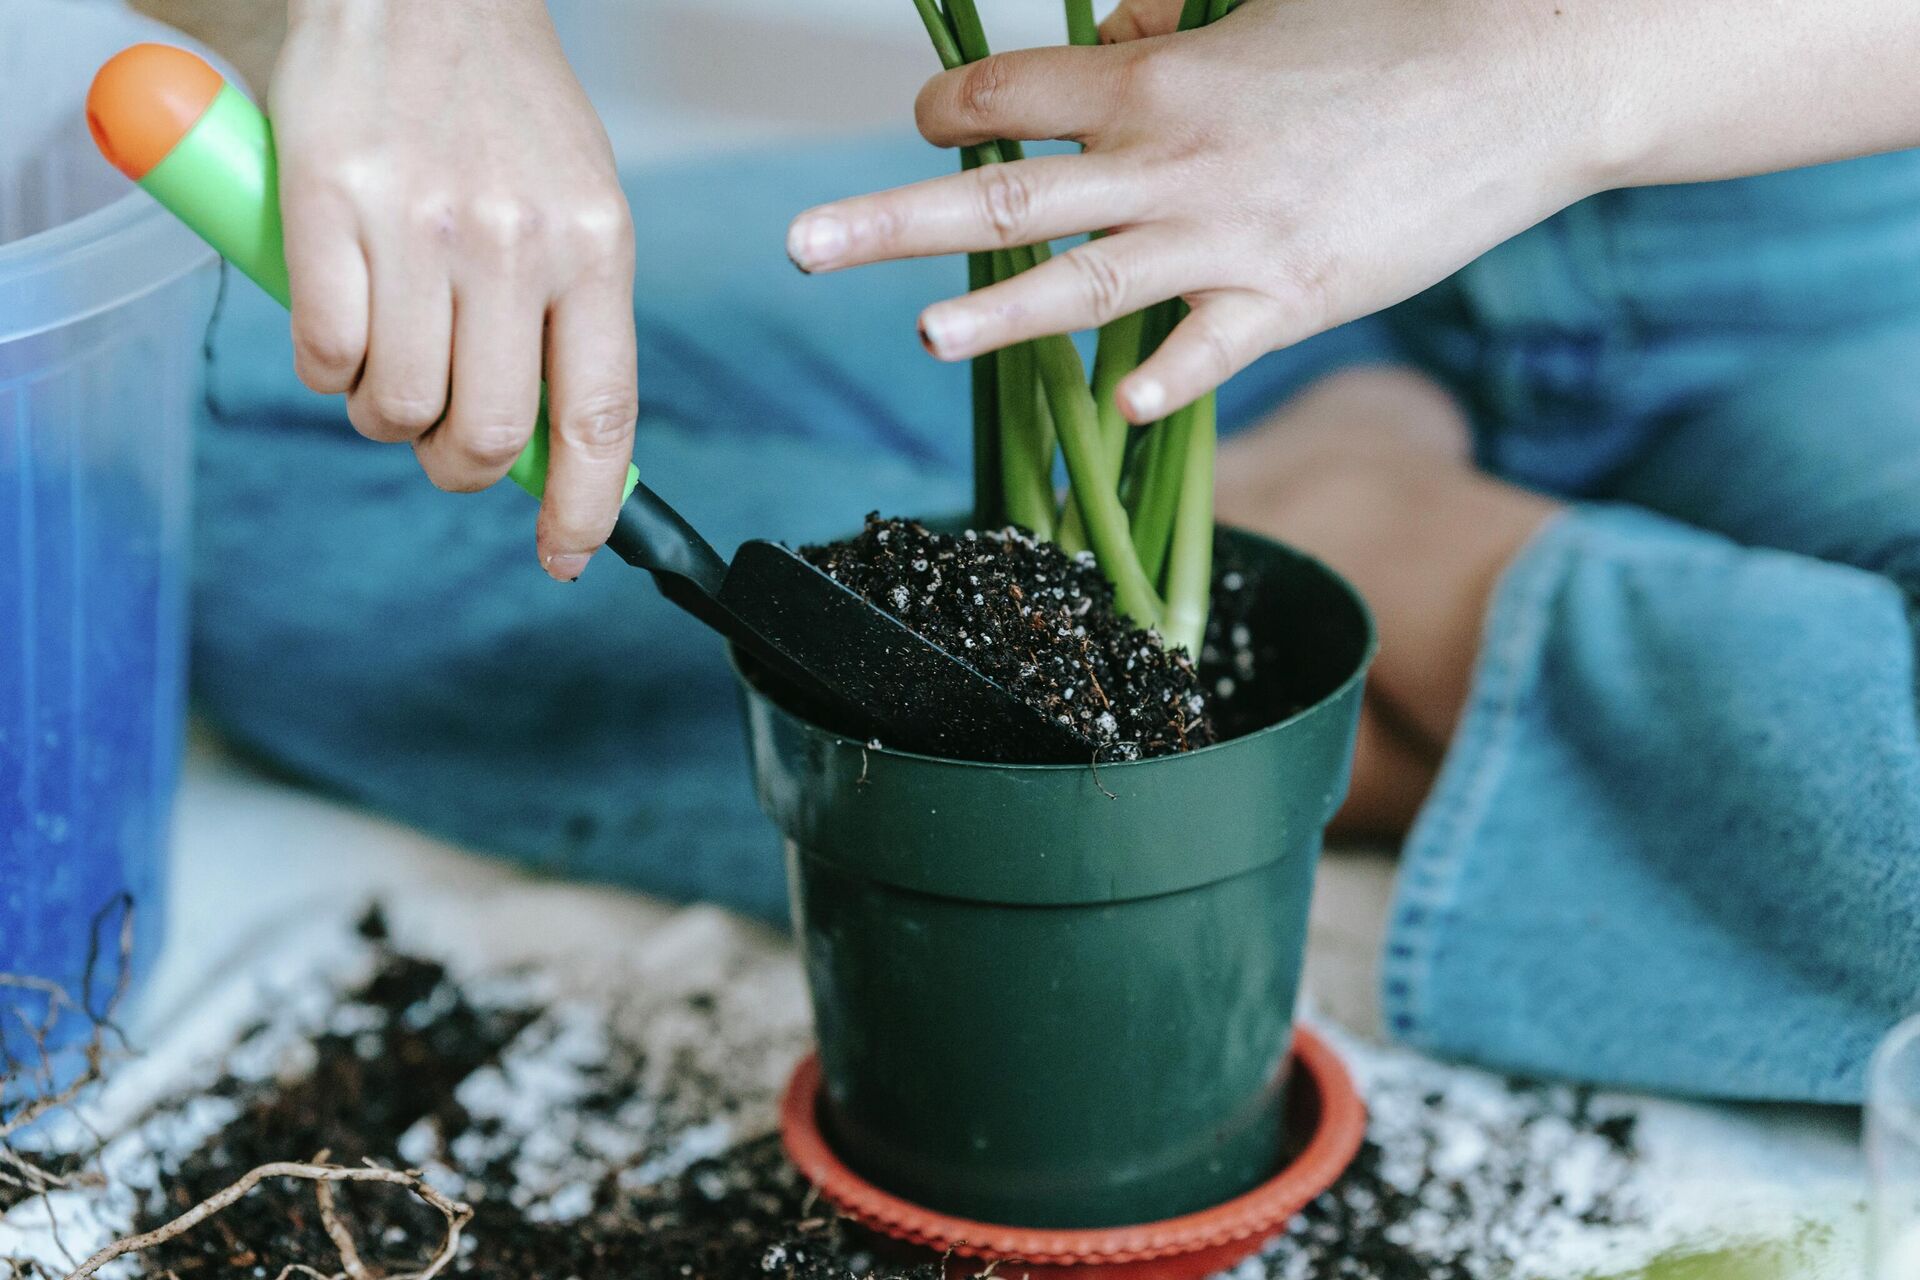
(1157, 495)
(1081, 28)
(1117, 355)
(1118, 351)
(958, 38)
(989, 500)
(967, 30)
(1025, 430)
(1026, 443)
(1138, 447)
(1141, 443)
(945, 43)
(1095, 486)
(1189, 581)
(1153, 477)
(1071, 531)
(1013, 438)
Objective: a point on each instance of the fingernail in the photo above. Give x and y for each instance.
(566, 567)
(816, 240)
(1146, 398)
(946, 331)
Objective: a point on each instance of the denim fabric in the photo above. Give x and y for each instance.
(1676, 840)
(1674, 844)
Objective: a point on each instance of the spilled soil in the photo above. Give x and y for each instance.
(389, 1087)
(619, 1175)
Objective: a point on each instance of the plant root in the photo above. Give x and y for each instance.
(336, 1230)
(457, 1214)
(34, 1085)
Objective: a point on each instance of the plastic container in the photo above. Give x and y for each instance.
(1892, 1134)
(1054, 996)
(104, 303)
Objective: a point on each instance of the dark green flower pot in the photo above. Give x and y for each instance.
(1056, 996)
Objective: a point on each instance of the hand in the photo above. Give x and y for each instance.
(1137, 19)
(453, 222)
(1292, 167)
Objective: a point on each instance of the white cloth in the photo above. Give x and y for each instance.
(268, 882)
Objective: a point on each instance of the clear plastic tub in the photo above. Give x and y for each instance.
(1893, 1153)
(104, 302)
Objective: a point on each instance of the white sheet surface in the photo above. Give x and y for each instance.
(268, 880)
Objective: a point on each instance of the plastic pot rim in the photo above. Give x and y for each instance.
(1362, 664)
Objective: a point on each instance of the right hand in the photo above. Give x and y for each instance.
(455, 228)
(1138, 19)
(1297, 165)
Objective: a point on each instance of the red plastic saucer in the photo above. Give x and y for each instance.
(1322, 1102)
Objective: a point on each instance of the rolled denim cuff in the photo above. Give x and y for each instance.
(1428, 912)
(1675, 842)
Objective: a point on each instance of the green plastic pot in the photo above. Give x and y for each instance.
(1062, 996)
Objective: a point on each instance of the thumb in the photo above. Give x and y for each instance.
(1138, 19)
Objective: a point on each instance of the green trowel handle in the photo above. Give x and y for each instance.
(220, 180)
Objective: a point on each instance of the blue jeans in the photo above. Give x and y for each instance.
(1677, 841)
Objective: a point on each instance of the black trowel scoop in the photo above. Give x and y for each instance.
(197, 144)
(871, 673)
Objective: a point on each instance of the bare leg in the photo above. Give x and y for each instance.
(1370, 470)
(1392, 773)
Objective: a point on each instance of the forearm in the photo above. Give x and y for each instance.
(1697, 90)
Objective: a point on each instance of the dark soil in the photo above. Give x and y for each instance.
(1039, 622)
(1406, 1210)
(418, 1036)
(1247, 675)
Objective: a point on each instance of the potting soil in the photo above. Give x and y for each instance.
(595, 1152)
(1040, 622)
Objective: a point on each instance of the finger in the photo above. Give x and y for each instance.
(327, 272)
(403, 389)
(1082, 289)
(495, 388)
(592, 384)
(1053, 92)
(1225, 333)
(1138, 19)
(992, 207)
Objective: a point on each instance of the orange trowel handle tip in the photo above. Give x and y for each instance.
(144, 100)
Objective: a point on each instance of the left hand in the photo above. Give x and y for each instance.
(1289, 168)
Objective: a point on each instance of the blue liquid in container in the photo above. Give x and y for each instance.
(104, 301)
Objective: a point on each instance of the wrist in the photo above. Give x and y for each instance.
(1601, 122)
(323, 13)
(374, 14)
